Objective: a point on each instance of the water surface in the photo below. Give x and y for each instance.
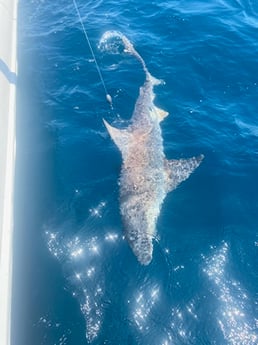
(76, 279)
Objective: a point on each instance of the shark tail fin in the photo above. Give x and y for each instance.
(179, 170)
(121, 137)
(106, 43)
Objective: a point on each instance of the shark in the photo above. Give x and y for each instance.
(146, 175)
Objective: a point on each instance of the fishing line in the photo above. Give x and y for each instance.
(108, 97)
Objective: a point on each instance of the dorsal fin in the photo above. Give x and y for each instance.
(179, 170)
(121, 137)
(161, 113)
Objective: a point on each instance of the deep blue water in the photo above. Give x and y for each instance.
(76, 280)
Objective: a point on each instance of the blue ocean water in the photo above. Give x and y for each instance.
(76, 280)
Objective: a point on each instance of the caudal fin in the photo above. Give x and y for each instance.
(106, 43)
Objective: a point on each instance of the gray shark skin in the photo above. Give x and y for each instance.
(146, 175)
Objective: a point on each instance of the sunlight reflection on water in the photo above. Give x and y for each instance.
(143, 304)
(88, 287)
(233, 301)
(85, 258)
(81, 257)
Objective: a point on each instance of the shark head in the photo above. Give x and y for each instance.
(139, 230)
(141, 244)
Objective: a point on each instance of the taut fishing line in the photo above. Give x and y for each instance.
(108, 96)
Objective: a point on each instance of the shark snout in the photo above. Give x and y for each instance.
(146, 259)
(142, 247)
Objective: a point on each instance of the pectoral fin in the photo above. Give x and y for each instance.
(121, 137)
(179, 170)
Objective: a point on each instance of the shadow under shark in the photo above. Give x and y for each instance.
(146, 175)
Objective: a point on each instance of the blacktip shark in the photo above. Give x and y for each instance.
(146, 175)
